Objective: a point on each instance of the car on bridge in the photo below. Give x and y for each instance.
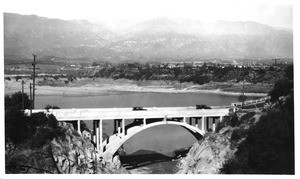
(138, 108)
(202, 106)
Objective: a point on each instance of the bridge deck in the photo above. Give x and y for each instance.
(129, 113)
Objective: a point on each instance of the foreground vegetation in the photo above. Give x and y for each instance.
(40, 144)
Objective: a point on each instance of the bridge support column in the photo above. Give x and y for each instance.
(207, 123)
(221, 118)
(203, 123)
(190, 120)
(97, 134)
(101, 135)
(214, 125)
(144, 122)
(196, 122)
(115, 126)
(123, 127)
(119, 128)
(78, 126)
(94, 131)
(184, 120)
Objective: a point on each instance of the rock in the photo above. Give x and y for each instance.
(226, 129)
(116, 162)
(86, 135)
(70, 153)
(9, 146)
(208, 155)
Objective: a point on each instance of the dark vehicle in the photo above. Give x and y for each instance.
(138, 108)
(202, 106)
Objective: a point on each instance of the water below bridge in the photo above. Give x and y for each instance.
(161, 139)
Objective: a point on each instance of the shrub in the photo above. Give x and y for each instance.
(15, 101)
(20, 128)
(246, 117)
(48, 106)
(268, 148)
(232, 121)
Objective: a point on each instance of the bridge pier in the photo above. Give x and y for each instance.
(221, 118)
(94, 131)
(214, 125)
(97, 134)
(203, 123)
(196, 122)
(78, 126)
(101, 135)
(115, 126)
(184, 120)
(144, 122)
(123, 127)
(207, 123)
(119, 127)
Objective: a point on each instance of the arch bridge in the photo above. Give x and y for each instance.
(197, 121)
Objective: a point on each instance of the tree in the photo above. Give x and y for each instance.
(95, 64)
(7, 78)
(282, 87)
(18, 78)
(242, 98)
(289, 72)
(48, 106)
(15, 101)
(56, 77)
(19, 127)
(267, 149)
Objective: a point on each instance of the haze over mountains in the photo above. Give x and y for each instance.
(159, 39)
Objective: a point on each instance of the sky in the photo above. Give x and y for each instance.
(275, 13)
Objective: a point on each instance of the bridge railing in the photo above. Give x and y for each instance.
(250, 102)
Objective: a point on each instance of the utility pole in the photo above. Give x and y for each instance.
(30, 87)
(23, 94)
(243, 93)
(275, 62)
(33, 80)
(275, 68)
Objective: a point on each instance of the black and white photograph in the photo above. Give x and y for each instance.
(148, 87)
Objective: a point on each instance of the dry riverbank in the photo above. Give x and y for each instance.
(101, 86)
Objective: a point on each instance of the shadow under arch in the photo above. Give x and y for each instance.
(116, 148)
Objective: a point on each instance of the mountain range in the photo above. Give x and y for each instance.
(160, 39)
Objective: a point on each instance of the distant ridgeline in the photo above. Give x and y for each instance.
(158, 40)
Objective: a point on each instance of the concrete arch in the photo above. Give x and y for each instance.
(114, 145)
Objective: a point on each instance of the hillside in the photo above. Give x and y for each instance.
(158, 39)
(250, 142)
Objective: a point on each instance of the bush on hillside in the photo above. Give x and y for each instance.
(15, 101)
(268, 149)
(48, 106)
(232, 121)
